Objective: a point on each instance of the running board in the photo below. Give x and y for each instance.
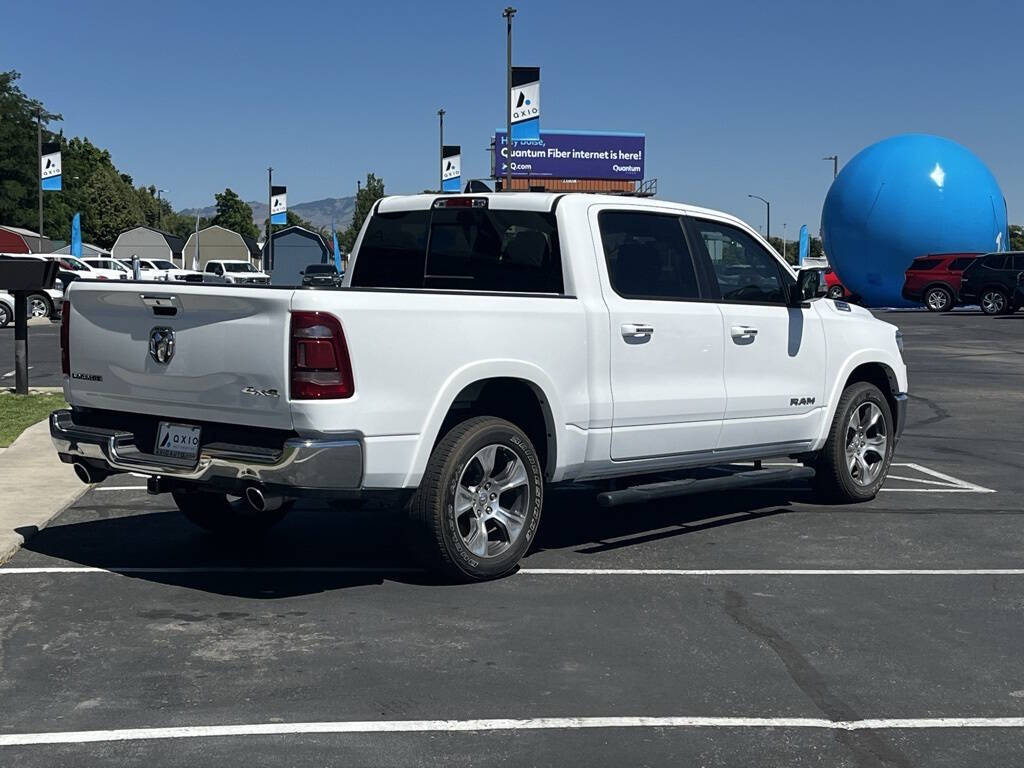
(641, 493)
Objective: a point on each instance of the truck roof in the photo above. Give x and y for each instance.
(541, 201)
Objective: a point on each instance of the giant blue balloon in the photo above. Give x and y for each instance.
(902, 198)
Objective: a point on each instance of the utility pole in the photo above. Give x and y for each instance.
(835, 164)
(160, 213)
(508, 13)
(268, 249)
(39, 169)
(768, 217)
(784, 240)
(440, 149)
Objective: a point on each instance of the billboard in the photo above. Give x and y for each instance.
(573, 155)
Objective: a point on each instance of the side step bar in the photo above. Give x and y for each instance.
(641, 493)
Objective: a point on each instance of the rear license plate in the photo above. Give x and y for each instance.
(177, 441)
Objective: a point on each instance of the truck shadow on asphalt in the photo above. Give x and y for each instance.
(316, 549)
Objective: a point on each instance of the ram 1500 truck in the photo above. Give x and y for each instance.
(482, 348)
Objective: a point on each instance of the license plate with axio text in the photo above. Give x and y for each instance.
(177, 441)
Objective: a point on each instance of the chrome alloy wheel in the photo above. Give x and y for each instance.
(37, 307)
(866, 443)
(993, 302)
(937, 300)
(491, 500)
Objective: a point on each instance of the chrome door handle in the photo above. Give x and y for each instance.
(742, 331)
(632, 330)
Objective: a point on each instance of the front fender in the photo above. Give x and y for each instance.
(897, 371)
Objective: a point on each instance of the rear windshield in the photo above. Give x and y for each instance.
(473, 249)
(922, 264)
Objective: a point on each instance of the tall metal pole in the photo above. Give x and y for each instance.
(835, 164)
(440, 149)
(768, 217)
(783, 240)
(268, 250)
(160, 213)
(508, 14)
(39, 168)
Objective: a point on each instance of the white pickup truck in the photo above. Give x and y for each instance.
(482, 348)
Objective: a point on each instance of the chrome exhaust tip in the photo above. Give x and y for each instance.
(84, 473)
(262, 502)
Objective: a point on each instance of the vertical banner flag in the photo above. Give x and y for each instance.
(49, 167)
(804, 245)
(451, 168)
(76, 236)
(337, 251)
(279, 205)
(525, 103)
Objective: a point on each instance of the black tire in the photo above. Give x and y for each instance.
(834, 479)
(835, 292)
(437, 531)
(938, 298)
(6, 315)
(223, 516)
(994, 301)
(42, 301)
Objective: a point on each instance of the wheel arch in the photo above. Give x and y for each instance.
(869, 366)
(518, 392)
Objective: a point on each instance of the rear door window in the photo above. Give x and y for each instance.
(1018, 262)
(996, 261)
(647, 256)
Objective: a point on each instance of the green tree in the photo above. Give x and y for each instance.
(371, 192)
(112, 207)
(1016, 237)
(234, 213)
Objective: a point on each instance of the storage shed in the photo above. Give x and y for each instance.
(147, 243)
(217, 243)
(295, 248)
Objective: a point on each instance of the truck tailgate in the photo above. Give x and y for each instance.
(229, 361)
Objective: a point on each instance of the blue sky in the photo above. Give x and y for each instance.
(734, 98)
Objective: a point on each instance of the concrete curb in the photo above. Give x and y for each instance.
(35, 486)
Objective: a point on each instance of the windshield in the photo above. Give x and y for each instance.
(73, 265)
(321, 269)
(163, 265)
(239, 266)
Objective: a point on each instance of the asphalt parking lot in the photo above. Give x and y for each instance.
(755, 628)
(43, 354)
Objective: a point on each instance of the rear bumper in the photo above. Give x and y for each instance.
(324, 465)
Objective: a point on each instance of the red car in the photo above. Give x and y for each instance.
(934, 280)
(835, 290)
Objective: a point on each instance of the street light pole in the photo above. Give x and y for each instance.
(835, 164)
(508, 13)
(783, 240)
(39, 170)
(440, 148)
(268, 248)
(768, 217)
(160, 213)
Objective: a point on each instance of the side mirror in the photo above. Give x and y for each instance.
(808, 285)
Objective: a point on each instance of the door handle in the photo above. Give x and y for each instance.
(743, 331)
(633, 330)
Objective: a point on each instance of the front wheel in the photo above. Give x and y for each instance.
(6, 316)
(938, 299)
(478, 507)
(852, 465)
(225, 515)
(39, 306)
(994, 302)
(835, 292)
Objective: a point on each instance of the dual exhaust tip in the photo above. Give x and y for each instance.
(254, 495)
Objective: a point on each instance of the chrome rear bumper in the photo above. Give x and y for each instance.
(333, 464)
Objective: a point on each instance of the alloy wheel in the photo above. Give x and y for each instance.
(993, 302)
(937, 300)
(866, 443)
(37, 307)
(491, 500)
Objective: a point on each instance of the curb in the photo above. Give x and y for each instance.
(35, 486)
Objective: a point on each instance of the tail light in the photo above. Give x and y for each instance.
(65, 337)
(320, 365)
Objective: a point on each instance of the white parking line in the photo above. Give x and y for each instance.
(709, 572)
(499, 724)
(121, 488)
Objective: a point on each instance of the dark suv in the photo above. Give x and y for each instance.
(934, 280)
(991, 282)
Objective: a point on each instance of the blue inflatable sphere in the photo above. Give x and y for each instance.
(902, 198)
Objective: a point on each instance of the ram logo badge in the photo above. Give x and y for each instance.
(796, 401)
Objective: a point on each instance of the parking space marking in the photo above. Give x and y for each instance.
(300, 569)
(121, 488)
(497, 724)
(948, 483)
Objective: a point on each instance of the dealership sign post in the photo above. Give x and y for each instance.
(572, 155)
(451, 168)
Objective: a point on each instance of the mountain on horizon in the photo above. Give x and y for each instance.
(318, 212)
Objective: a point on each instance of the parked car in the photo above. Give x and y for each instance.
(111, 269)
(239, 272)
(322, 276)
(990, 281)
(486, 346)
(161, 269)
(934, 280)
(835, 289)
(6, 309)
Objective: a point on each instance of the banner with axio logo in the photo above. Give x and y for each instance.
(451, 168)
(279, 205)
(50, 167)
(525, 103)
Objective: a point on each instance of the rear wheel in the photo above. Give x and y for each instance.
(478, 507)
(852, 465)
(938, 299)
(39, 305)
(222, 514)
(994, 301)
(835, 292)
(5, 316)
